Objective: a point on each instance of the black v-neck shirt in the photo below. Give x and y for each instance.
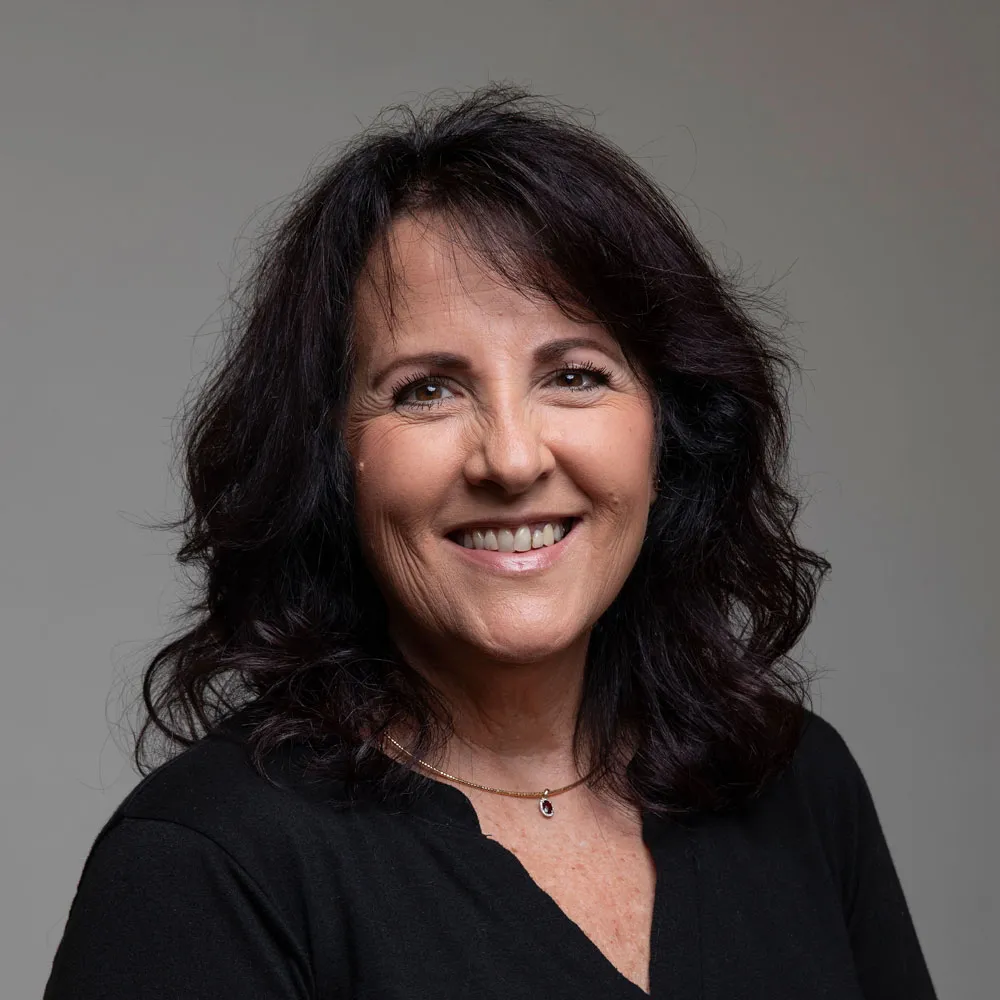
(208, 882)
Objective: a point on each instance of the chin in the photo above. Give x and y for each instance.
(527, 644)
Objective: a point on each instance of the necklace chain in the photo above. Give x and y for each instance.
(546, 794)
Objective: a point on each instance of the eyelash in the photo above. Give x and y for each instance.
(603, 376)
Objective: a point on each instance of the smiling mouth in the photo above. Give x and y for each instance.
(519, 538)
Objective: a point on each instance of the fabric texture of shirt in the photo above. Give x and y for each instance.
(209, 882)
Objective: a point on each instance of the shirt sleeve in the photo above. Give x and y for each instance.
(162, 911)
(887, 953)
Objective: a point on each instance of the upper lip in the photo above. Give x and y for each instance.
(510, 521)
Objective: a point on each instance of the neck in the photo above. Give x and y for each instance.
(513, 723)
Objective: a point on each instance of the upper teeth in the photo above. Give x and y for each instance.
(520, 539)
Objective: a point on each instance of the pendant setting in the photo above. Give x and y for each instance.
(545, 806)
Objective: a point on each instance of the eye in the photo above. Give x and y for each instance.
(582, 377)
(420, 391)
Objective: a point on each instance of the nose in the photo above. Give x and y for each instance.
(509, 453)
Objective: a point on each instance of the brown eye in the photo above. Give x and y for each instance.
(421, 392)
(580, 378)
(428, 392)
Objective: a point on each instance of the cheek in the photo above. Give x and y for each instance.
(401, 473)
(614, 460)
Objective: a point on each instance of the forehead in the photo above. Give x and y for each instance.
(422, 282)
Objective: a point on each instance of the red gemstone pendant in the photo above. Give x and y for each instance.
(545, 805)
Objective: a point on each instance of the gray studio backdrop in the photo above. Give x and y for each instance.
(849, 150)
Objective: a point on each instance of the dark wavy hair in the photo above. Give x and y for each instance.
(690, 700)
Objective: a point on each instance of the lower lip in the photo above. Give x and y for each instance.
(516, 563)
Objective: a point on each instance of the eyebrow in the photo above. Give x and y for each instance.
(446, 361)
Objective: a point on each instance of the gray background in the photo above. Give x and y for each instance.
(848, 149)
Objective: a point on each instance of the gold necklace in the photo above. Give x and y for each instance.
(545, 806)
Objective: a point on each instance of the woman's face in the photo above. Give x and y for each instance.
(483, 425)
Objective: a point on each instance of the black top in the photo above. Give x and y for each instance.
(208, 882)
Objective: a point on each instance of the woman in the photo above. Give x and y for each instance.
(487, 692)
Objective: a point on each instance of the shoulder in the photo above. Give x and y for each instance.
(823, 755)
(815, 812)
(212, 799)
(824, 768)
(208, 858)
(214, 786)
(825, 787)
(819, 783)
